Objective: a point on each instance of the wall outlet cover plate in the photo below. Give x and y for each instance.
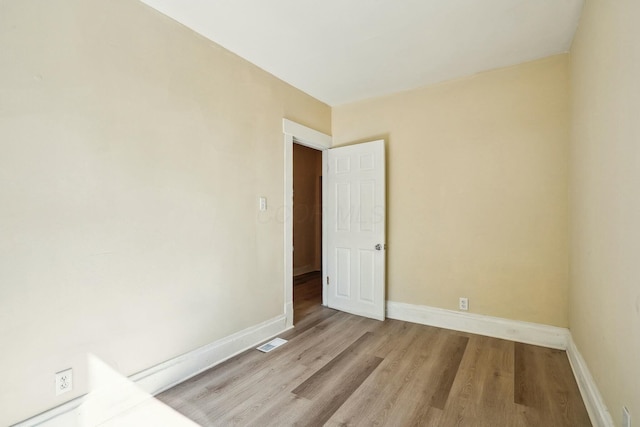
(64, 381)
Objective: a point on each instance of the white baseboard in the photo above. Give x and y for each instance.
(298, 271)
(525, 332)
(172, 372)
(598, 412)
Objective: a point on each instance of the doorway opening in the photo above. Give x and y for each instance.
(358, 286)
(307, 231)
(300, 134)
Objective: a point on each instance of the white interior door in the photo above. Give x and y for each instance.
(355, 207)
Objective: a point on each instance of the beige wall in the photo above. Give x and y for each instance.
(133, 153)
(605, 200)
(307, 169)
(477, 193)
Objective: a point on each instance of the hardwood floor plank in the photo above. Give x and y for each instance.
(307, 295)
(373, 402)
(565, 395)
(267, 396)
(311, 320)
(397, 394)
(327, 389)
(542, 388)
(414, 400)
(244, 404)
(310, 387)
(484, 379)
(451, 357)
(336, 393)
(224, 382)
(496, 370)
(343, 370)
(275, 416)
(328, 344)
(525, 377)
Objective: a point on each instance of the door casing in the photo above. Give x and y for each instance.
(295, 132)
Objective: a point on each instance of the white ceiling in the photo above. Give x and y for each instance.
(340, 51)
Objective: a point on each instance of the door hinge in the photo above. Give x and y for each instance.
(327, 280)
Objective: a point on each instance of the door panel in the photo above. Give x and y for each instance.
(355, 220)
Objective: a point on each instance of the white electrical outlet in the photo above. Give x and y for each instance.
(463, 304)
(64, 381)
(626, 417)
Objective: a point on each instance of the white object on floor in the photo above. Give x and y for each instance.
(274, 343)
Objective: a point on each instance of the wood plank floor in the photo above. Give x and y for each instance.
(343, 370)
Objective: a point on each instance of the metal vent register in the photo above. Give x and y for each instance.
(274, 343)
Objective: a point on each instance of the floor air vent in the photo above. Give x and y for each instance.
(274, 343)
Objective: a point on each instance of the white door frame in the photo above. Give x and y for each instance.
(295, 132)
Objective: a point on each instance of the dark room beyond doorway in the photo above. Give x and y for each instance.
(307, 230)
